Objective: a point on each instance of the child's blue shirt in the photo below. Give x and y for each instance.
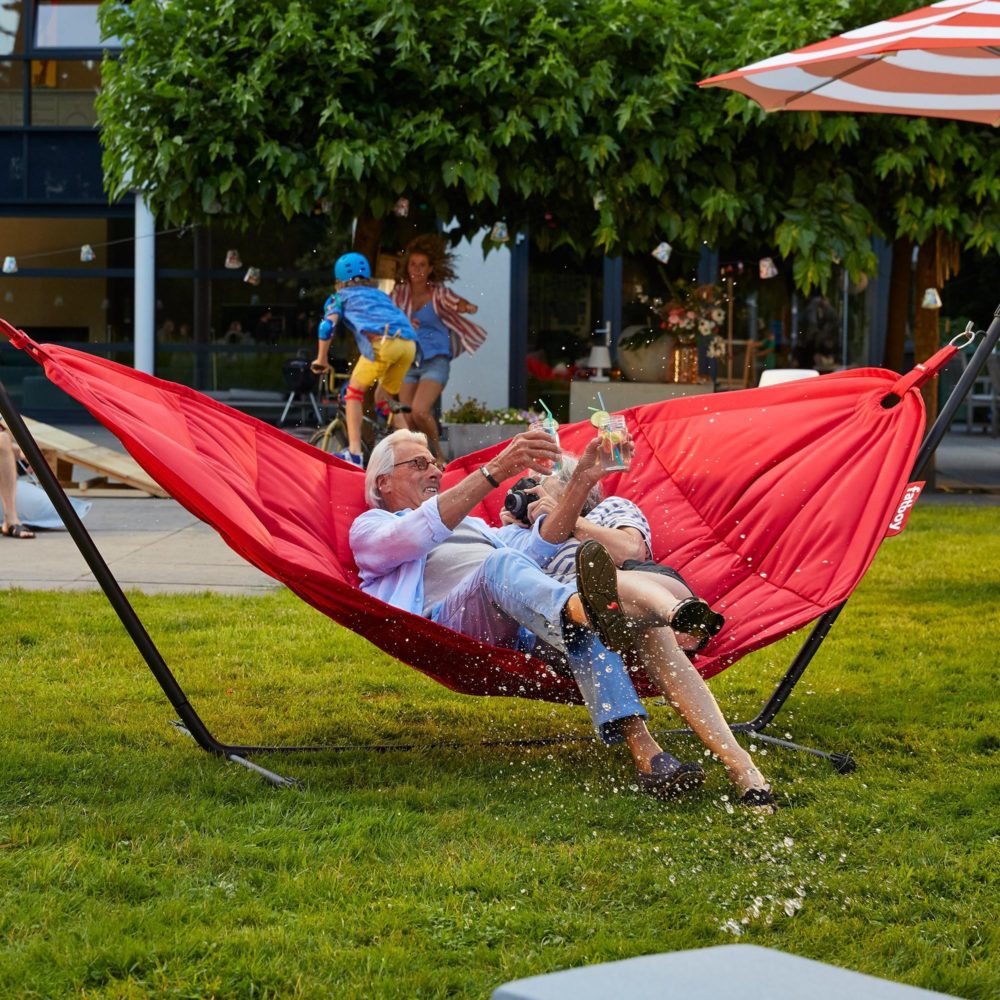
(365, 309)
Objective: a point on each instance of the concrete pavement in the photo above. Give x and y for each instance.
(155, 546)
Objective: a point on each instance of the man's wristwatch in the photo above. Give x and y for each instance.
(488, 476)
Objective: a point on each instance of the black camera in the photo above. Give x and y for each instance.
(518, 497)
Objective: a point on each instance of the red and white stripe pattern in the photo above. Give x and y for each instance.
(942, 61)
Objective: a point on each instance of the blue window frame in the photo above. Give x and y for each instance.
(50, 70)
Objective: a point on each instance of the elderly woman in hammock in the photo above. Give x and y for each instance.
(418, 549)
(615, 530)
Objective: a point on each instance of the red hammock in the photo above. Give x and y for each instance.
(771, 501)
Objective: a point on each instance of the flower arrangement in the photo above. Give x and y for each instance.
(471, 411)
(701, 312)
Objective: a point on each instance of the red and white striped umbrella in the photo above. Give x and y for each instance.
(942, 61)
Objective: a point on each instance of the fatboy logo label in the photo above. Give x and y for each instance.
(902, 514)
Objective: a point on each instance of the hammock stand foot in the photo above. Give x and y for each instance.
(278, 780)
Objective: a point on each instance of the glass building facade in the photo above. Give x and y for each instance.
(215, 330)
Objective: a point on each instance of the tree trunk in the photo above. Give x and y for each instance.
(367, 234)
(900, 295)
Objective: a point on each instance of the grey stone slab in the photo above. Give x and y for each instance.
(742, 971)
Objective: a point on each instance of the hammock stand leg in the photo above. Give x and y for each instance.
(116, 597)
(844, 762)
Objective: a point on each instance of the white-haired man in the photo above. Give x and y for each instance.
(418, 549)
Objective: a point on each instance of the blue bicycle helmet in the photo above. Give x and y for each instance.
(351, 265)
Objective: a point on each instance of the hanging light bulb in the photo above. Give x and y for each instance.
(10, 265)
(87, 253)
(662, 252)
(498, 234)
(402, 207)
(8, 296)
(932, 299)
(233, 262)
(252, 277)
(767, 269)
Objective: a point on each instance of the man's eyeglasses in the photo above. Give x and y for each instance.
(419, 463)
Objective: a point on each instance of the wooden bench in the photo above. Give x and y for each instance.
(117, 474)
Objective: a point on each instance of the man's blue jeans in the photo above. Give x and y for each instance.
(509, 592)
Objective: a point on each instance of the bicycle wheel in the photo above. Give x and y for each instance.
(331, 438)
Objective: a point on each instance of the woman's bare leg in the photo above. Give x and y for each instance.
(406, 393)
(674, 674)
(422, 416)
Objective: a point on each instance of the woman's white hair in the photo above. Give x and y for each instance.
(567, 463)
(382, 460)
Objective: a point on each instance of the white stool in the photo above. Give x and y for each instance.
(772, 376)
(743, 971)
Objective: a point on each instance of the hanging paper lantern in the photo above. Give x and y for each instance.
(233, 262)
(767, 269)
(662, 252)
(402, 207)
(10, 265)
(499, 232)
(252, 277)
(932, 300)
(87, 253)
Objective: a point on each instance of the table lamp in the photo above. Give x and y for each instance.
(599, 361)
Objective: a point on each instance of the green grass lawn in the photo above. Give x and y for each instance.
(132, 864)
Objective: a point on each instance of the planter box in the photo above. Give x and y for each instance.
(466, 438)
(651, 363)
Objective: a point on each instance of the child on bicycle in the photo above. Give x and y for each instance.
(385, 338)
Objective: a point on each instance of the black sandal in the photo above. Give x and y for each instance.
(694, 617)
(17, 531)
(760, 799)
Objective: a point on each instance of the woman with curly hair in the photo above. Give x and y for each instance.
(439, 316)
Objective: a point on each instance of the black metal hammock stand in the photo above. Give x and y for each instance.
(157, 421)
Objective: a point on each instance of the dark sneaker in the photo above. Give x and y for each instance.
(597, 585)
(669, 777)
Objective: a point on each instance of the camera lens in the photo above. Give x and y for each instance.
(517, 502)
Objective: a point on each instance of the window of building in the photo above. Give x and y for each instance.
(11, 167)
(63, 91)
(67, 24)
(11, 93)
(65, 167)
(11, 27)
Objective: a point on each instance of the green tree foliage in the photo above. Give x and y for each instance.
(488, 109)
(577, 119)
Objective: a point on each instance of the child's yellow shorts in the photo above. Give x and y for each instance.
(393, 358)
